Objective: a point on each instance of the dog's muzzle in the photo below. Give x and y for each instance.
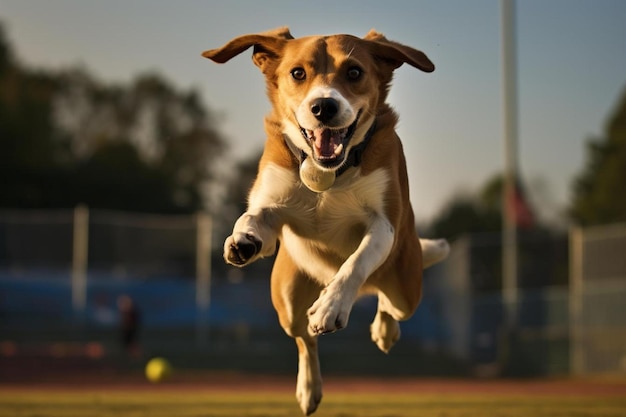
(329, 145)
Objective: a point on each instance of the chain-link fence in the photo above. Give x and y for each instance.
(61, 273)
(598, 299)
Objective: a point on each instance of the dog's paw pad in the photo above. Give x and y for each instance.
(242, 249)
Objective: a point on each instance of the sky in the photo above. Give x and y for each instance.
(571, 57)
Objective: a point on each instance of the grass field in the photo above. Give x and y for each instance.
(161, 403)
(44, 391)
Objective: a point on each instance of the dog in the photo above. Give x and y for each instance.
(332, 188)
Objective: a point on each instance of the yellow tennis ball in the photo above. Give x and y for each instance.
(316, 179)
(158, 369)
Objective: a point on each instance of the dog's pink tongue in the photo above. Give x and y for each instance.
(324, 142)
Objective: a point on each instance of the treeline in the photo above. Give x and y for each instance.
(598, 194)
(68, 139)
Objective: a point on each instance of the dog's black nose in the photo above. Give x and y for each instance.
(324, 109)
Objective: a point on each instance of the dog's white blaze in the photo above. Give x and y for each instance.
(345, 116)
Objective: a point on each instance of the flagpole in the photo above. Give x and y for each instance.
(509, 227)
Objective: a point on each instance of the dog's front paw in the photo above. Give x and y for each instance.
(241, 248)
(330, 312)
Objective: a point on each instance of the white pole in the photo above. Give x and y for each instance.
(203, 274)
(576, 256)
(79, 258)
(509, 228)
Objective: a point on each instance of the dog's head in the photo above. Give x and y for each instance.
(325, 90)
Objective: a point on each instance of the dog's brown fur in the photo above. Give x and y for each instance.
(354, 237)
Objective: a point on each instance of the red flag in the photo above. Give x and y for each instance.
(519, 208)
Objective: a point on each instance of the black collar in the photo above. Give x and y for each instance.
(355, 156)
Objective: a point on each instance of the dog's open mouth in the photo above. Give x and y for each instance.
(329, 145)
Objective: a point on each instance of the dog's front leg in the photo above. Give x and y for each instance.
(331, 310)
(254, 236)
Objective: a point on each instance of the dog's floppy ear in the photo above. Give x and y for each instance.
(267, 45)
(396, 54)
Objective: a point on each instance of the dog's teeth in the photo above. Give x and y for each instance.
(338, 149)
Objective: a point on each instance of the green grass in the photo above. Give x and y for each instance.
(199, 404)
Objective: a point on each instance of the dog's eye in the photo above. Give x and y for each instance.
(298, 74)
(354, 73)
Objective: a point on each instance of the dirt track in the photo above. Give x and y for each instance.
(232, 382)
(21, 374)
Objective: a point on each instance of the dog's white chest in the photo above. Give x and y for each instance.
(322, 225)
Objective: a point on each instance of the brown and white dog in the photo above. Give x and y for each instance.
(332, 188)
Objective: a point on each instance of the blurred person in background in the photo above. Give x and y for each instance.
(130, 322)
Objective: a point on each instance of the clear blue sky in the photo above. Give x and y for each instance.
(571, 55)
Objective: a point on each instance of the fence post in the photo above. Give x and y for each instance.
(576, 330)
(203, 275)
(79, 258)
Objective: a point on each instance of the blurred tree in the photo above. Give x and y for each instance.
(482, 212)
(116, 169)
(5, 52)
(67, 139)
(171, 133)
(599, 196)
(31, 150)
(471, 213)
(461, 215)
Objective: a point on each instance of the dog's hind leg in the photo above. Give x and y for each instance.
(292, 294)
(399, 296)
(399, 291)
(385, 330)
(393, 306)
